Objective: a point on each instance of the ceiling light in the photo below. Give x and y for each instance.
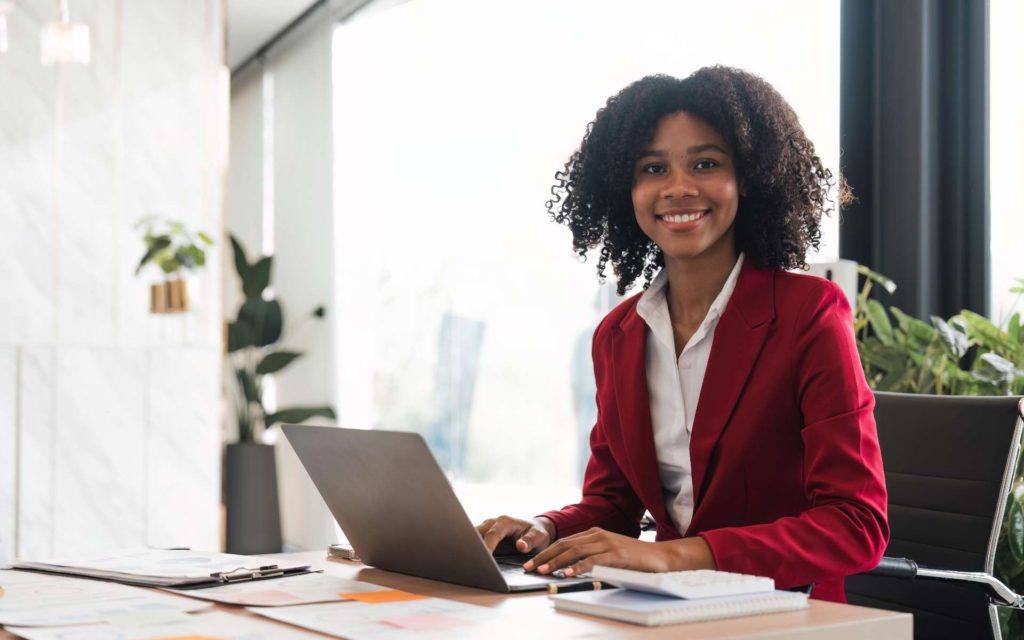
(5, 8)
(64, 41)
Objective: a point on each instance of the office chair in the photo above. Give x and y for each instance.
(949, 464)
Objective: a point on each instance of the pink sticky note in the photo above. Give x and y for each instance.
(426, 622)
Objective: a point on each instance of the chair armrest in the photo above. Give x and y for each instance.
(888, 567)
(995, 587)
(906, 568)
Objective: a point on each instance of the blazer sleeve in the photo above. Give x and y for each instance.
(609, 500)
(844, 530)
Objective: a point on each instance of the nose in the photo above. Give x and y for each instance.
(680, 185)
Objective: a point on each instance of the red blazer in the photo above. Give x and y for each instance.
(787, 473)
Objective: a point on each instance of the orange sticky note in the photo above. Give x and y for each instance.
(377, 597)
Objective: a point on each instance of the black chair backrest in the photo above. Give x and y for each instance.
(945, 459)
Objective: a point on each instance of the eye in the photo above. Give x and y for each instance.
(652, 167)
(705, 164)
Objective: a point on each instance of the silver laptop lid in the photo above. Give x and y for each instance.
(394, 504)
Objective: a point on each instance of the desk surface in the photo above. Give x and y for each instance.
(820, 620)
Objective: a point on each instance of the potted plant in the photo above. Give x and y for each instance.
(173, 248)
(964, 355)
(250, 476)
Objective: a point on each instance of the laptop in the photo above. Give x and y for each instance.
(399, 512)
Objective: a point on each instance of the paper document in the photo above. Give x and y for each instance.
(421, 618)
(303, 589)
(35, 599)
(216, 624)
(169, 568)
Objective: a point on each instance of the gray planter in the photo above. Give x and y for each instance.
(250, 497)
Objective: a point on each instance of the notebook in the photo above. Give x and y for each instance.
(652, 610)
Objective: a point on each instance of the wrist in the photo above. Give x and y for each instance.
(545, 524)
(687, 554)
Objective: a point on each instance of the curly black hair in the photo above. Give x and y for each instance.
(786, 185)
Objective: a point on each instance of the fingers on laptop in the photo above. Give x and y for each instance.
(527, 536)
(494, 530)
(579, 553)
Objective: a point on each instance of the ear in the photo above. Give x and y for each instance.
(743, 189)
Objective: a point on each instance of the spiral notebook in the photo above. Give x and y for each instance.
(652, 610)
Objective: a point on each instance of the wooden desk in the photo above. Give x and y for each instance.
(820, 620)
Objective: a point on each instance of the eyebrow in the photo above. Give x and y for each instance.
(700, 148)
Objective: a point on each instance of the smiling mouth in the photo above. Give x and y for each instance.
(692, 216)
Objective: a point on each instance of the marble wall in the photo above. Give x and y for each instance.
(109, 416)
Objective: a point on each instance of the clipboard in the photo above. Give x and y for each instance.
(176, 568)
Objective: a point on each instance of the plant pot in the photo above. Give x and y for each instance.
(250, 497)
(170, 296)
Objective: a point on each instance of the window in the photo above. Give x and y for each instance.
(464, 314)
(1006, 94)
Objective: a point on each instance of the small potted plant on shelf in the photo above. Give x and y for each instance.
(250, 476)
(173, 249)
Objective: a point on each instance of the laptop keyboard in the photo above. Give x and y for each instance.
(512, 559)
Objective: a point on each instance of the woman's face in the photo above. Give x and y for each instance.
(685, 193)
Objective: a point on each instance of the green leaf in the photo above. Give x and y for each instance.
(239, 337)
(320, 311)
(169, 265)
(1015, 530)
(878, 278)
(293, 415)
(241, 264)
(920, 334)
(264, 320)
(258, 278)
(204, 237)
(274, 362)
(983, 333)
(955, 341)
(993, 368)
(879, 321)
(155, 246)
(885, 357)
(189, 256)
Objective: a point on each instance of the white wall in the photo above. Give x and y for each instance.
(109, 416)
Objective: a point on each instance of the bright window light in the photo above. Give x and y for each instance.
(463, 313)
(1006, 139)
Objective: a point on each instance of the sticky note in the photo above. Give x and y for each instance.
(377, 597)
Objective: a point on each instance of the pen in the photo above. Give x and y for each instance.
(577, 586)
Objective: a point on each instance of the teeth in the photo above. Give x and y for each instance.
(683, 217)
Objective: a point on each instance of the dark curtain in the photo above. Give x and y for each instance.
(914, 138)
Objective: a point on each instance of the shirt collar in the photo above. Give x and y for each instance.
(653, 303)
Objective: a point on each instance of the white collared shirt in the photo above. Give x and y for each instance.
(674, 388)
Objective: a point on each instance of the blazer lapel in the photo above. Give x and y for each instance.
(630, 375)
(738, 340)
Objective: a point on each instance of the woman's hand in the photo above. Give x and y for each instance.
(529, 535)
(579, 553)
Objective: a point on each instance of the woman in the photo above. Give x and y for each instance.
(731, 401)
